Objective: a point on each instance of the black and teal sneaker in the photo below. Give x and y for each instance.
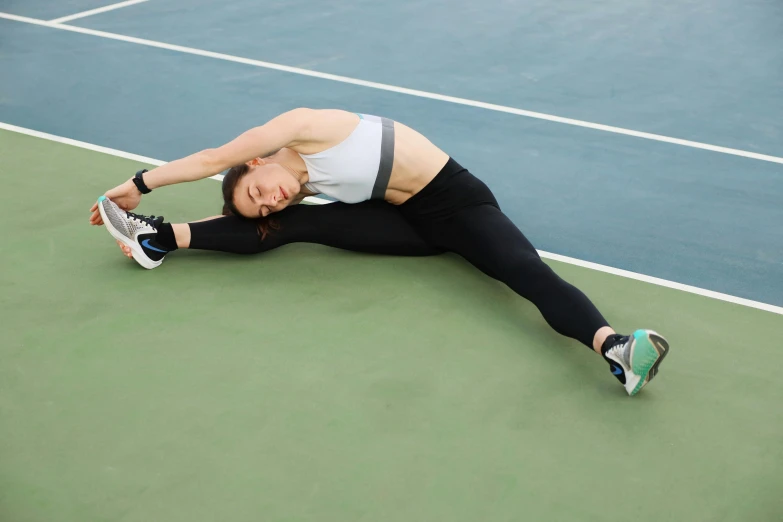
(634, 359)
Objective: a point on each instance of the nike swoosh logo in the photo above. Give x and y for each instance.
(146, 244)
(616, 370)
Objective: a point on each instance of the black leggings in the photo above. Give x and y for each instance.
(455, 212)
(374, 227)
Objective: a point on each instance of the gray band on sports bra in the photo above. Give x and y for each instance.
(387, 160)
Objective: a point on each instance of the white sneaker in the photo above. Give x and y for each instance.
(135, 231)
(634, 359)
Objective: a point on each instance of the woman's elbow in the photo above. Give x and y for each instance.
(212, 160)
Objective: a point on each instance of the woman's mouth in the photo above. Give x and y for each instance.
(284, 193)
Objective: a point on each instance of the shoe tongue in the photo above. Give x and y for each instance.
(613, 340)
(157, 222)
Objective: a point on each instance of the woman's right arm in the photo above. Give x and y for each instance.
(286, 130)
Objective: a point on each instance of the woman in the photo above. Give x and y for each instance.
(366, 162)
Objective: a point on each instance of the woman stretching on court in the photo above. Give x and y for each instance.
(365, 162)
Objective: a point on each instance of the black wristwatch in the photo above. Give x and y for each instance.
(139, 182)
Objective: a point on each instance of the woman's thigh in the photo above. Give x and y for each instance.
(488, 239)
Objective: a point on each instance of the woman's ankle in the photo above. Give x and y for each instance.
(600, 338)
(181, 234)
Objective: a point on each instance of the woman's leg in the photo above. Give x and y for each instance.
(182, 231)
(457, 212)
(489, 240)
(373, 227)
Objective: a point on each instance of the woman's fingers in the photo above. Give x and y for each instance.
(95, 217)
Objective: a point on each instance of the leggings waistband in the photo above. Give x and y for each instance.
(452, 189)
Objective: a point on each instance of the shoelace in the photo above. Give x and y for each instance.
(150, 220)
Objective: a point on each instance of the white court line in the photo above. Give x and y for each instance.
(556, 257)
(401, 90)
(95, 11)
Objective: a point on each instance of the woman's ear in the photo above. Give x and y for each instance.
(256, 162)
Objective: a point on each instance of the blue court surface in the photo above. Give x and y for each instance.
(684, 214)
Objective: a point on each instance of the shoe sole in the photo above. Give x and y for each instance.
(141, 258)
(648, 351)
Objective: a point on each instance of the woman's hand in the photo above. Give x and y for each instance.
(126, 196)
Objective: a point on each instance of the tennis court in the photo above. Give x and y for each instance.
(644, 163)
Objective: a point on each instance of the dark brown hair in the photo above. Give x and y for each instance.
(232, 177)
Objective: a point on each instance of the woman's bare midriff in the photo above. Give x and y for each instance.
(416, 162)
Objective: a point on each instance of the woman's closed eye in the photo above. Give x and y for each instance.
(254, 201)
(252, 194)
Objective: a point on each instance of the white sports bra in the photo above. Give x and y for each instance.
(358, 168)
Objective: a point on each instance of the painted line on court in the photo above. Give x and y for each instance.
(99, 10)
(396, 89)
(548, 255)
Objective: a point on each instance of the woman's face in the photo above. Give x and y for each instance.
(266, 188)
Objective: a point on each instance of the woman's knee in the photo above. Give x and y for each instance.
(528, 275)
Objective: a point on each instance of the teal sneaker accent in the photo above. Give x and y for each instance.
(102, 198)
(645, 356)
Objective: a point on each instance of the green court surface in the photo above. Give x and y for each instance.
(315, 384)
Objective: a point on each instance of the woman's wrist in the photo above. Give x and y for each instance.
(131, 186)
(139, 181)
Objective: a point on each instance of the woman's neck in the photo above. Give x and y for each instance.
(292, 162)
